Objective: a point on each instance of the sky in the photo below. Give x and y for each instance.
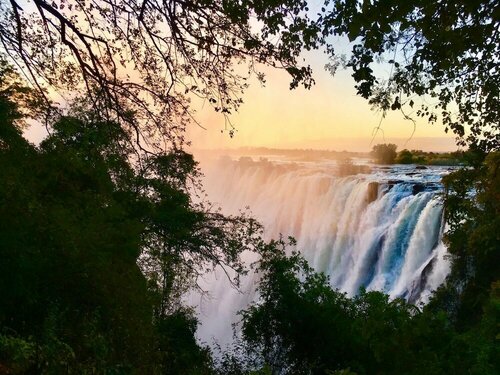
(328, 116)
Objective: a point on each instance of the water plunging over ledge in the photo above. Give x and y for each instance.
(379, 231)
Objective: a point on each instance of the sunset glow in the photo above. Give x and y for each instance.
(329, 116)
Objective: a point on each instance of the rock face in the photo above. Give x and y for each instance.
(417, 188)
(372, 192)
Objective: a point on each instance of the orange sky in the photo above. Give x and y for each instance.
(329, 116)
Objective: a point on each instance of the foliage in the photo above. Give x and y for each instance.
(440, 50)
(384, 153)
(455, 158)
(300, 325)
(472, 212)
(347, 168)
(97, 247)
(21, 352)
(178, 350)
(67, 248)
(178, 50)
(470, 296)
(404, 157)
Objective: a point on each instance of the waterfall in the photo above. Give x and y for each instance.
(378, 231)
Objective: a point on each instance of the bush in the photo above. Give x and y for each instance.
(404, 157)
(384, 153)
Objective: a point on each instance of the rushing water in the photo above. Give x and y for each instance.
(380, 231)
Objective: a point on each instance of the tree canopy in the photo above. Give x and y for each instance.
(300, 325)
(98, 247)
(384, 153)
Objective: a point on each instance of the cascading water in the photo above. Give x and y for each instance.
(378, 231)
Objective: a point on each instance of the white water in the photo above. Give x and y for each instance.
(390, 241)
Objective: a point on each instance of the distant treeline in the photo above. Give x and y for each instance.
(382, 154)
(296, 154)
(387, 154)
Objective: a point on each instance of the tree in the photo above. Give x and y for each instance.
(404, 157)
(384, 153)
(152, 57)
(473, 240)
(69, 250)
(300, 325)
(98, 246)
(440, 50)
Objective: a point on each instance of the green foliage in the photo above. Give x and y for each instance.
(69, 250)
(300, 325)
(178, 351)
(456, 158)
(16, 354)
(404, 157)
(98, 245)
(384, 153)
(347, 168)
(472, 211)
(442, 50)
